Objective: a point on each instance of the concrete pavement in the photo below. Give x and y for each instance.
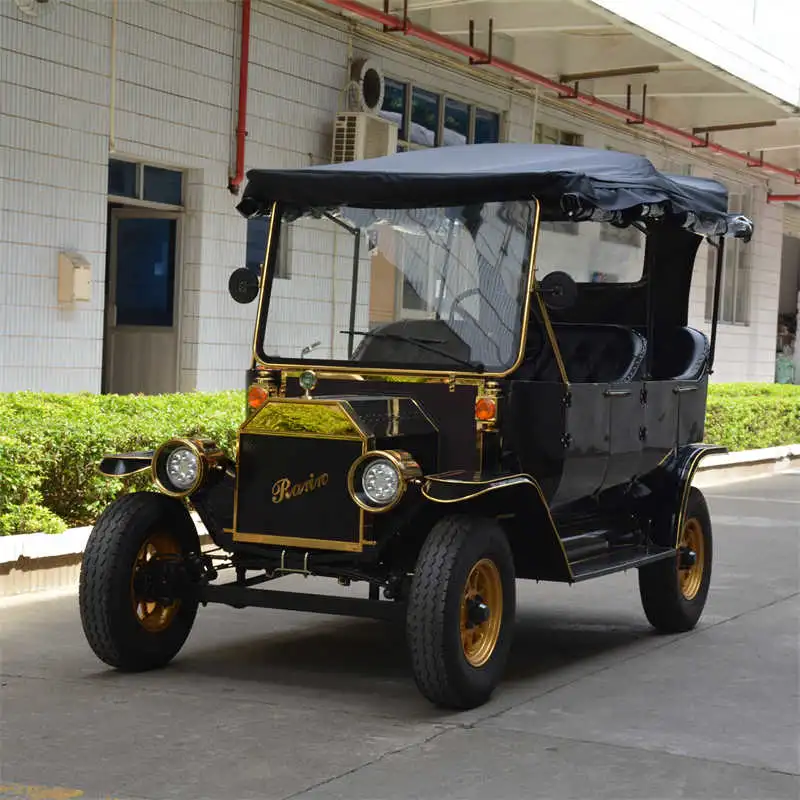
(266, 704)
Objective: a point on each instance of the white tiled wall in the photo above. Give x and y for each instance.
(176, 95)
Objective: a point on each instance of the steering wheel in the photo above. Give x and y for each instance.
(457, 300)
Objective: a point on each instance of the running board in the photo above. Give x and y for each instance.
(618, 561)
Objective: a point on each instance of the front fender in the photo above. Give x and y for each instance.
(121, 464)
(533, 535)
(669, 484)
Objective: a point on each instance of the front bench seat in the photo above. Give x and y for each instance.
(592, 353)
(680, 354)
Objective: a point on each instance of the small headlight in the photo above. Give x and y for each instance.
(182, 467)
(381, 482)
(307, 381)
(378, 480)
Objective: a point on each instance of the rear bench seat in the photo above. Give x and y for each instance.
(592, 353)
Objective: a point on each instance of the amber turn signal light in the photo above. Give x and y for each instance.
(485, 409)
(256, 396)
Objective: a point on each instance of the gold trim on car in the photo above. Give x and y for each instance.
(304, 417)
(491, 485)
(331, 420)
(369, 371)
(551, 335)
(291, 541)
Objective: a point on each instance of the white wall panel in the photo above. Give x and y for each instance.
(176, 96)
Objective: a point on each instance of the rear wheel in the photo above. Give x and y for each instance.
(461, 609)
(674, 591)
(128, 624)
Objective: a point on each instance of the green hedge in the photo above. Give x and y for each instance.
(50, 444)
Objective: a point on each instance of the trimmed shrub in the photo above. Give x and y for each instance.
(50, 444)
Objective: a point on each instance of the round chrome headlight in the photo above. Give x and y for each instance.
(182, 468)
(380, 482)
(378, 479)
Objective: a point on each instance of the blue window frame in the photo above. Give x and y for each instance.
(122, 178)
(425, 118)
(145, 276)
(487, 126)
(395, 95)
(163, 185)
(456, 122)
(145, 182)
(257, 230)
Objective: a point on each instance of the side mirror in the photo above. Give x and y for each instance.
(243, 285)
(559, 291)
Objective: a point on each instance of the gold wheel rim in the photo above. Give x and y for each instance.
(152, 616)
(485, 586)
(691, 577)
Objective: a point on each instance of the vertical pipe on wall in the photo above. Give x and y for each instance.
(534, 114)
(241, 125)
(112, 98)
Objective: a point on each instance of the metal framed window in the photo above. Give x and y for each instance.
(136, 183)
(426, 118)
(734, 303)
(546, 134)
(257, 230)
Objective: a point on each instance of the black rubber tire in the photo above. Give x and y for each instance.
(441, 671)
(665, 607)
(107, 612)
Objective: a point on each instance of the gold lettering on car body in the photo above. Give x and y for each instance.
(284, 489)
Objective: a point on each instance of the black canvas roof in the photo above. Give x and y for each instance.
(569, 182)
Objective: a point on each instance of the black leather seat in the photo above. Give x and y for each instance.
(680, 354)
(591, 354)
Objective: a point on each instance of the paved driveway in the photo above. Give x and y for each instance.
(267, 704)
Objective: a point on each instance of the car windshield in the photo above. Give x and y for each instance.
(419, 289)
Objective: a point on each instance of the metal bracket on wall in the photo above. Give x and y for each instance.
(570, 95)
(403, 28)
(475, 62)
(643, 114)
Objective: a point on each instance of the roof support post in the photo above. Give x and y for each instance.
(720, 245)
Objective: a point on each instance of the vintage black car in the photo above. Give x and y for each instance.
(471, 365)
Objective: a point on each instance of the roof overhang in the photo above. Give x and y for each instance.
(577, 52)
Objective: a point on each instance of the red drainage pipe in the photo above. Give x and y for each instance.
(565, 92)
(783, 198)
(241, 126)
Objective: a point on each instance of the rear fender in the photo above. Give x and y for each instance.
(669, 486)
(518, 502)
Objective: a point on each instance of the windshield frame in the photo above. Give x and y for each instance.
(360, 368)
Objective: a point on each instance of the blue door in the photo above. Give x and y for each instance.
(142, 312)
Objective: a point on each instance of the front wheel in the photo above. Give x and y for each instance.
(129, 625)
(461, 609)
(674, 591)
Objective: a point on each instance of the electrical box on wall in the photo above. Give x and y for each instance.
(74, 278)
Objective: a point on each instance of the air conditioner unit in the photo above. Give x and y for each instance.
(358, 135)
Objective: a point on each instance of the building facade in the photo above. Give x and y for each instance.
(117, 143)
